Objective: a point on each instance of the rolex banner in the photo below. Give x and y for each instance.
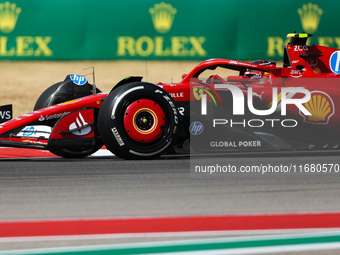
(149, 29)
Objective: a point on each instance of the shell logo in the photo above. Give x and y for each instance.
(320, 106)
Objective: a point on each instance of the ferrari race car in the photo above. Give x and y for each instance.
(261, 107)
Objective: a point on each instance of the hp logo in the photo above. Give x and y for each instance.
(334, 62)
(196, 128)
(78, 79)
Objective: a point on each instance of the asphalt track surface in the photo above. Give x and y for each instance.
(56, 188)
(112, 187)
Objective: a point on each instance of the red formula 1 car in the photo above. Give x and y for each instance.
(260, 108)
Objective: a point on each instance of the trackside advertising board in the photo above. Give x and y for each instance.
(174, 29)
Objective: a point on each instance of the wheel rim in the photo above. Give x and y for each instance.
(144, 121)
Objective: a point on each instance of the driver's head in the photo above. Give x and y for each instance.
(257, 74)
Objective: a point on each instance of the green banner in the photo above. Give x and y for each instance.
(264, 37)
(176, 29)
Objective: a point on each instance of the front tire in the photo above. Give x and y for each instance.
(138, 121)
(46, 97)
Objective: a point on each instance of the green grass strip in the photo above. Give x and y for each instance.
(190, 247)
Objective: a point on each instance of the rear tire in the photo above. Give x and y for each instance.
(138, 121)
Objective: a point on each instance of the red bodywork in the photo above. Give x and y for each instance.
(52, 112)
(305, 66)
